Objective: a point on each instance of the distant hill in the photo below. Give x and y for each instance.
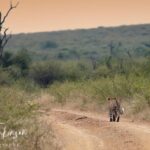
(131, 40)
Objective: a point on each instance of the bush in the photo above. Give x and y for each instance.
(49, 45)
(5, 78)
(45, 73)
(22, 60)
(102, 71)
(77, 70)
(7, 59)
(15, 72)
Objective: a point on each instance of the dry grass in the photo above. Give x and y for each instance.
(19, 113)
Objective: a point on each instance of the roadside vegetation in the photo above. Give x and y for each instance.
(84, 83)
(20, 125)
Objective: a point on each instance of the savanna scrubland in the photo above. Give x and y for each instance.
(77, 69)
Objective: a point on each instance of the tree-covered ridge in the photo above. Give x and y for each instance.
(127, 41)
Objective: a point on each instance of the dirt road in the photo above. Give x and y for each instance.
(87, 131)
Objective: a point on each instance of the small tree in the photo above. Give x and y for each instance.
(4, 37)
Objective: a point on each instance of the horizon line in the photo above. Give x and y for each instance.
(84, 28)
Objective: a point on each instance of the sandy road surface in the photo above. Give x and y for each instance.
(87, 131)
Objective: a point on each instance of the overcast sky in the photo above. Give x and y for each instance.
(50, 15)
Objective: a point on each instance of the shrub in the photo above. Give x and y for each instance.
(7, 59)
(45, 73)
(5, 78)
(48, 45)
(15, 72)
(22, 59)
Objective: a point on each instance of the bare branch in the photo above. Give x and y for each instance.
(0, 21)
(6, 40)
(9, 10)
(5, 34)
(0, 17)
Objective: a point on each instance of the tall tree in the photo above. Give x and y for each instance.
(4, 37)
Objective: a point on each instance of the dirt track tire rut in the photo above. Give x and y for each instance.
(78, 131)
